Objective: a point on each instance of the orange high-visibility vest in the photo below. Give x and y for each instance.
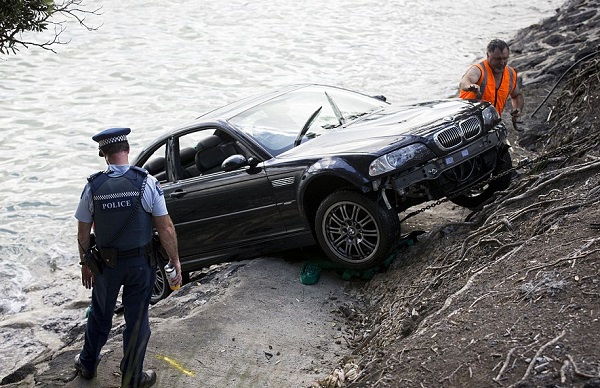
(487, 86)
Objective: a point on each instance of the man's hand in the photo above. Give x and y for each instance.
(515, 114)
(473, 88)
(168, 240)
(175, 263)
(87, 277)
(84, 231)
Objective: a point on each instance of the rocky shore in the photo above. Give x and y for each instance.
(507, 296)
(247, 324)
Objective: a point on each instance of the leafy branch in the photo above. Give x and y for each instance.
(21, 16)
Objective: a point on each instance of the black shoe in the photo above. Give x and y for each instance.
(86, 374)
(147, 379)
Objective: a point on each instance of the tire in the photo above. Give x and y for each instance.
(477, 197)
(161, 287)
(356, 231)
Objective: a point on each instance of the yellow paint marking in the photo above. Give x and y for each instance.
(175, 365)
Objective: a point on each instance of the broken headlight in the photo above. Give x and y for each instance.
(490, 115)
(401, 158)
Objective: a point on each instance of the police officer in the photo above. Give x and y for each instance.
(123, 203)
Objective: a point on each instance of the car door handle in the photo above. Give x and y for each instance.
(178, 194)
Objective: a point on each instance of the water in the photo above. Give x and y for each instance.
(154, 65)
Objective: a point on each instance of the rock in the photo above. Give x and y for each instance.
(20, 375)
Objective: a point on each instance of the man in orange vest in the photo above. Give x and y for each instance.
(494, 81)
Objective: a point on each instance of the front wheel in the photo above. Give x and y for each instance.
(473, 199)
(356, 231)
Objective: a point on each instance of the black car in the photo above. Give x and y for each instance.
(318, 164)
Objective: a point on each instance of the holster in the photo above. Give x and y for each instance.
(108, 257)
(98, 258)
(154, 248)
(93, 260)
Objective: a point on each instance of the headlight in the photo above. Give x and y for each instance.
(389, 162)
(490, 115)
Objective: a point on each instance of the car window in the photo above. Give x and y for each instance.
(191, 140)
(203, 152)
(156, 163)
(276, 124)
(192, 154)
(353, 105)
(188, 148)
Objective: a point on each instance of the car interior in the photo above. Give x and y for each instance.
(156, 167)
(204, 158)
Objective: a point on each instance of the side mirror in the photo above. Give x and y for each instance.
(234, 162)
(253, 162)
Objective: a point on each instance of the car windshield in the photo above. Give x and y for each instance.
(277, 124)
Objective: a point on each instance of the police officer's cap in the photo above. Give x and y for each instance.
(111, 135)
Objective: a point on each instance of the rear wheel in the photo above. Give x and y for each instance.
(473, 199)
(356, 231)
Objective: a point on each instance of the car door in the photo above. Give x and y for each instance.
(221, 213)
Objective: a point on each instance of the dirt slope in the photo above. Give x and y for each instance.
(509, 295)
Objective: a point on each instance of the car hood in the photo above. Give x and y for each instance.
(390, 127)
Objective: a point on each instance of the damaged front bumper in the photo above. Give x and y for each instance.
(433, 169)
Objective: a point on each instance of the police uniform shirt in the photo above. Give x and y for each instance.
(153, 199)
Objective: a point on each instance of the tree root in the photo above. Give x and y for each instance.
(537, 355)
(579, 372)
(467, 285)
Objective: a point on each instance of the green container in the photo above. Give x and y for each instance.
(310, 274)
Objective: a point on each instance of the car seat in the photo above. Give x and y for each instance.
(211, 154)
(187, 158)
(156, 167)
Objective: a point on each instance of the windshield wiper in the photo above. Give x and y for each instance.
(307, 125)
(357, 115)
(336, 110)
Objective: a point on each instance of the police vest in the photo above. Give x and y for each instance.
(487, 86)
(117, 202)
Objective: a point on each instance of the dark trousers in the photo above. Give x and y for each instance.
(137, 278)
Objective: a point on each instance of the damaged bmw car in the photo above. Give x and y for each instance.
(314, 164)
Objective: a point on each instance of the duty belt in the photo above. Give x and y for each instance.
(145, 250)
